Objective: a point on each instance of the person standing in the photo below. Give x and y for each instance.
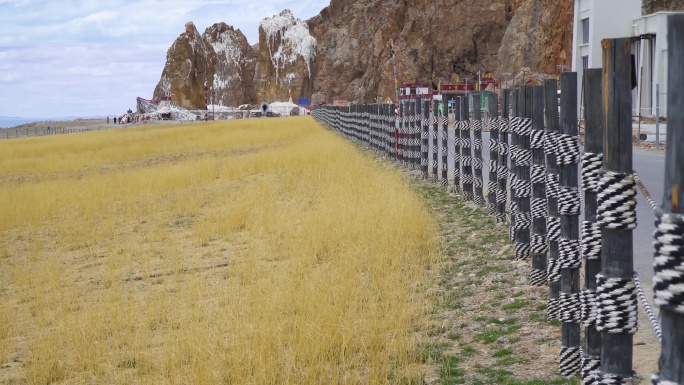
(107, 119)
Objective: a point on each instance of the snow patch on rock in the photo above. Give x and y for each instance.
(295, 40)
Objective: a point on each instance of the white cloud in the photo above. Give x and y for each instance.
(78, 58)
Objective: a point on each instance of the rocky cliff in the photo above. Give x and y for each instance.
(434, 41)
(220, 59)
(347, 50)
(285, 58)
(652, 6)
(538, 37)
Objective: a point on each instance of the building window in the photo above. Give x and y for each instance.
(585, 31)
(585, 62)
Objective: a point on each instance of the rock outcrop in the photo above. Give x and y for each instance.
(652, 6)
(234, 64)
(539, 36)
(220, 59)
(285, 58)
(434, 41)
(187, 68)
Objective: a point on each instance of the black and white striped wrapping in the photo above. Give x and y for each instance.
(501, 172)
(568, 201)
(514, 149)
(538, 277)
(647, 308)
(477, 143)
(477, 183)
(569, 364)
(552, 185)
(539, 244)
(477, 163)
(503, 125)
(539, 207)
(616, 302)
(552, 307)
(616, 201)
(522, 221)
(537, 139)
(668, 277)
(588, 307)
(553, 231)
(476, 125)
(492, 187)
(567, 151)
(569, 253)
(523, 126)
(551, 142)
(591, 240)
(523, 157)
(591, 167)
(493, 144)
(588, 368)
(522, 250)
(523, 188)
(553, 270)
(538, 173)
(500, 196)
(570, 310)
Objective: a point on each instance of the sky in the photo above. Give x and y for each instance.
(89, 58)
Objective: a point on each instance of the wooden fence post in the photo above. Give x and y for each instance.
(523, 187)
(415, 133)
(425, 136)
(569, 245)
(539, 208)
(494, 123)
(466, 153)
(444, 122)
(669, 266)
(435, 145)
(592, 161)
(402, 130)
(615, 286)
(502, 172)
(457, 145)
(552, 185)
(513, 172)
(476, 127)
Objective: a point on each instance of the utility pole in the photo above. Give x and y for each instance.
(393, 57)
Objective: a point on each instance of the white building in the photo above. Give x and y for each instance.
(596, 20)
(649, 47)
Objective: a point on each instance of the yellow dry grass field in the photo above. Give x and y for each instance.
(266, 251)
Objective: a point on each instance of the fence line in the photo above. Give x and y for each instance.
(541, 181)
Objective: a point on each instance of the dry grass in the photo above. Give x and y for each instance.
(249, 252)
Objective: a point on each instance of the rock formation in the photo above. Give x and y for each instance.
(346, 50)
(186, 70)
(285, 58)
(652, 6)
(539, 36)
(434, 41)
(234, 63)
(220, 59)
